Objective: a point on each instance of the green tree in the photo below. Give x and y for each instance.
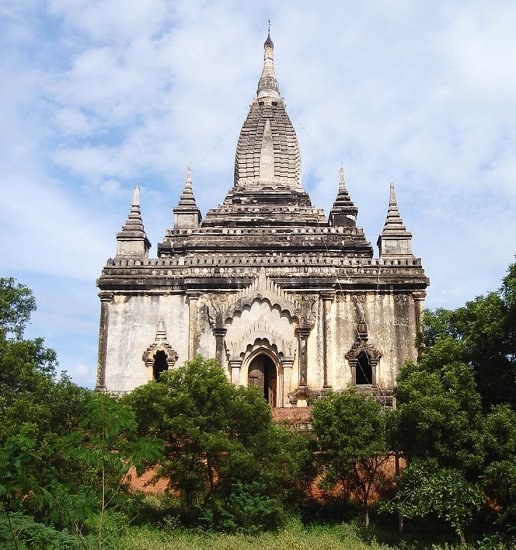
(106, 451)
(439, 427)
(439, 411)
(218, 440)
(485, 332)
(427, 488)
(467, 364)
(16, 306)
(63, 449)
(36, 411)
(499, 475)
(350, 433)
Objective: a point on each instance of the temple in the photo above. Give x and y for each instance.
(283, 296)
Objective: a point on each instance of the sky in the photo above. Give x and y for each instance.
(99, 96)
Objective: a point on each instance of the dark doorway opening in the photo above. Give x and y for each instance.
(364, 373)
(160, 364)
(262, 374)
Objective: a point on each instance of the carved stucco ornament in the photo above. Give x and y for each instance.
(305, 310)
(262, 331)
(262, 289)
(160, 344)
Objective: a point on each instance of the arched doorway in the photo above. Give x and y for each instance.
(263, 374)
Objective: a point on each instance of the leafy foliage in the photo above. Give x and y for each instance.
(485, 333)
(456, 411)
(16, 306)
(439, 411)
(63, 449)
(499, 476)
(246, 509)
(32, 534)
(218, 440)
(427, 488)
(350, 432)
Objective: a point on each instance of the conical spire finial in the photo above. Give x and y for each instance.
(268, 84)
(394, 240)
(186, 214)
(393, 221)
(342, 181)
(187, 197)
(392, 196)
(268, 42)
(253, 154)
(343, 212)
(136, 196)
(132, 239)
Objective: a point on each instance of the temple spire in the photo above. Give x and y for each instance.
(187, 197)
(343, 212)
(186, 214)
(132, 239)
(393, 222)
(268, 150)
(268, 84)
(342, 181)
(394, 240)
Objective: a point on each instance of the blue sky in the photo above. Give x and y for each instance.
(98, 96)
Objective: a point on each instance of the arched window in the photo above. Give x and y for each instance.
(364, 373)
(160, 364)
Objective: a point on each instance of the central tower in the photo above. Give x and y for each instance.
(283, 296)
(267, 152)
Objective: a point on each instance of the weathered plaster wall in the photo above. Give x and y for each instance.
(132, 329)
(391, 328)
(205, 344)
(391, 322)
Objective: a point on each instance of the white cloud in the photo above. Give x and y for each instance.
(73, 122)
(100, 95)
(112, 20)
(480, 47)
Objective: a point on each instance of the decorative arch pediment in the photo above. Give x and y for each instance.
(223, 309)
(361, 346)
(366, 374)
(160, 344)
(261, 331)
(262, 289)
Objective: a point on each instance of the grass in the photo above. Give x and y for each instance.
(293, 537)
(159, 528)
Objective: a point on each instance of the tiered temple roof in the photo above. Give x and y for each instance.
(268, 218)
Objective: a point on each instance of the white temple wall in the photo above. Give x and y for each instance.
(315, 373)
(343, 325)
(390, 320)
(131, 329)
(205, 344)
